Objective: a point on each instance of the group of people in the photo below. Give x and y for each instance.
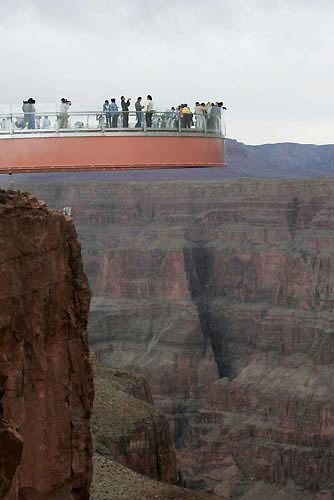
(111, 112)
(207, 115)
(204, 116)
(31, 121)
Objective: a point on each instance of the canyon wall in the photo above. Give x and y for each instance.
(222, 295)
(45, 376)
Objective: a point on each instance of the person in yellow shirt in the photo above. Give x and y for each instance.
(187, 116)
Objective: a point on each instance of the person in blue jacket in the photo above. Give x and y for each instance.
(106, 112)
(113, 112)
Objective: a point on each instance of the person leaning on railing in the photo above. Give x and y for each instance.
(63, 112)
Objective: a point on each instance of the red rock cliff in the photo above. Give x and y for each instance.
(44, 365)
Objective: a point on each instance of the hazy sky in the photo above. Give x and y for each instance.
(271, 61)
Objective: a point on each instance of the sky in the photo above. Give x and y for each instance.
(270, 61)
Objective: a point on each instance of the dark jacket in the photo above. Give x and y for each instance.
(139, 106)
(125, 105)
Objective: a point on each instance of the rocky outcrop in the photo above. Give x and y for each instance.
(222, 295)
(113, 481)
(44, 365)
(128, 428)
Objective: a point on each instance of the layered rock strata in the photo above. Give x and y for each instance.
(128, 428)
(44, 361)
(222, 295)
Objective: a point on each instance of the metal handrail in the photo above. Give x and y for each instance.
(164, 121)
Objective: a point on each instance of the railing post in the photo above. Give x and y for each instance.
(179, 123)
(11, 124)
(223, 123)
(144, 120)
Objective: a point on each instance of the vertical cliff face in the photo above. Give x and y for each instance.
(222, 295)
(44, 366)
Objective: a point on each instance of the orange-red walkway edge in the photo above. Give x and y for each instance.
(109, 152)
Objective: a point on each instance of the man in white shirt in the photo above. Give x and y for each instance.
(149, 111)
(199, 115)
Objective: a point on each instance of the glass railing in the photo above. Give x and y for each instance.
(97, 121)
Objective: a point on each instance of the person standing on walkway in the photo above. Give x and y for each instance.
(215, 116)
(187, 116)
(209, 118)
(63, 112)
(149, 111)
(139, 109)
(199, 116)
(125, 109)
(113, 112)
(25, 108)
(222, 117)
(106, 112)
(31, 112)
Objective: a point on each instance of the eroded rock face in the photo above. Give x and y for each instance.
(48, 389)
(222, 295)
(10, 457)
(128, 428)
(10, 449)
